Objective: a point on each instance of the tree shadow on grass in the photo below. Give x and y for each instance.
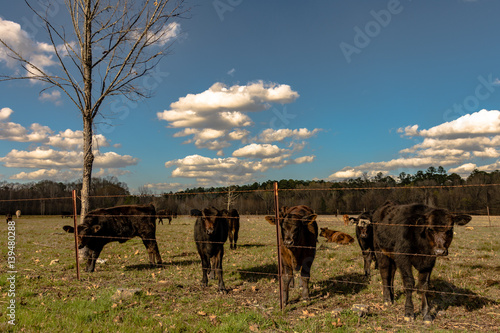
(447, 294)
(344, 284)
(253, 274)
(250, 245)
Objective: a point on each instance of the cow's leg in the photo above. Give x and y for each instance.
(374, 258)
(287, 276)
(218, 269)
(387, 269)
(169, 219)
(423, 287)
(235, 237)
(205, 268)
(213, 268)
(152, 248)
(409, 285)
(367, 262)
(231, 239)
(93, 254)
(305, 274)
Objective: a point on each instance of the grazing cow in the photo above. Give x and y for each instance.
(364, 235)
(8, 217)
(210, 234)
(120, 223)
(333, 236)
(411, 235)
(299, 232)
(18, 213)
(164, 214)
(346, 219)
(233, 219)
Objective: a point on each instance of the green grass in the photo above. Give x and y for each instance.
(49, 298)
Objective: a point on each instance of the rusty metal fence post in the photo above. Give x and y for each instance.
(76, 236)
(278, 241)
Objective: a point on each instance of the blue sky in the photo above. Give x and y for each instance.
(258, 90)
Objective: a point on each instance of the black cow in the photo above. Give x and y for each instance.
(8, 217)
(210, 234)
(411, 235)
(164, 214)
(364, 235)
(233, 219)
(120, 224)
(299, 232)
(195, 212)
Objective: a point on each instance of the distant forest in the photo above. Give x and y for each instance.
(475, 194)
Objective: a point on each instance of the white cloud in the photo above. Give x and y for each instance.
(54, 97)
(455, 144)
(272, 135)
(39, 54)
(259, 151)
(483, 122)
(165, 187)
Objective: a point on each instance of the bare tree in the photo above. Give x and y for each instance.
(111, 44)
(231, 197)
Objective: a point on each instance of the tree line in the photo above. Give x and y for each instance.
(475, 194)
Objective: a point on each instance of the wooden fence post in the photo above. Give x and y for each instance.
(278, 240)
(76, 236)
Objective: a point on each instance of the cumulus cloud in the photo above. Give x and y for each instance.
(271, 135)
(230, 170)
(39, 54)
(58, 156)
(483, 122)
(255, 150)
(456, 144)
(222, 110)
(54, 97)
(165, 187)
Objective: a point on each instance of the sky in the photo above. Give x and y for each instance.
(261, 90)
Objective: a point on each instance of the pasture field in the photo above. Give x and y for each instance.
(49, 298)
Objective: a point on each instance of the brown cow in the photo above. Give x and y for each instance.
(299, 232)
(333, 236)
(120, 223)
(407, 236)
(346, 219)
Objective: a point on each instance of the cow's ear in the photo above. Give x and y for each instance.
(353, 220)
(461, 219)
(309, 219)
(365, 216)
(69, 229)
(271, 219)
(95, 228)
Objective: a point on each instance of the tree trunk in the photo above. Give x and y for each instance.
(88, 161)
(88, 155)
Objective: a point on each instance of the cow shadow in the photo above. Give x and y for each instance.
(248, 246)
(142, 267)
(447, 294)
(351, 283)
(254, 274)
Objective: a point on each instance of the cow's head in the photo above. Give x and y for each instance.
(438, 229)
(292, 221)
(85, 233)
(322, 232)
(209, 218)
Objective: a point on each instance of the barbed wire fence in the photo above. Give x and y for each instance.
(331, 220)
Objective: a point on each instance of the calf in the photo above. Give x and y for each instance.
(411, 235)
(234, 226)
(164, 214)
(121, 223)
(364, 235)
(210, 234)
(346, 219)
(299, 233)
(18, 213)
(336, 236)
(8, 217)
